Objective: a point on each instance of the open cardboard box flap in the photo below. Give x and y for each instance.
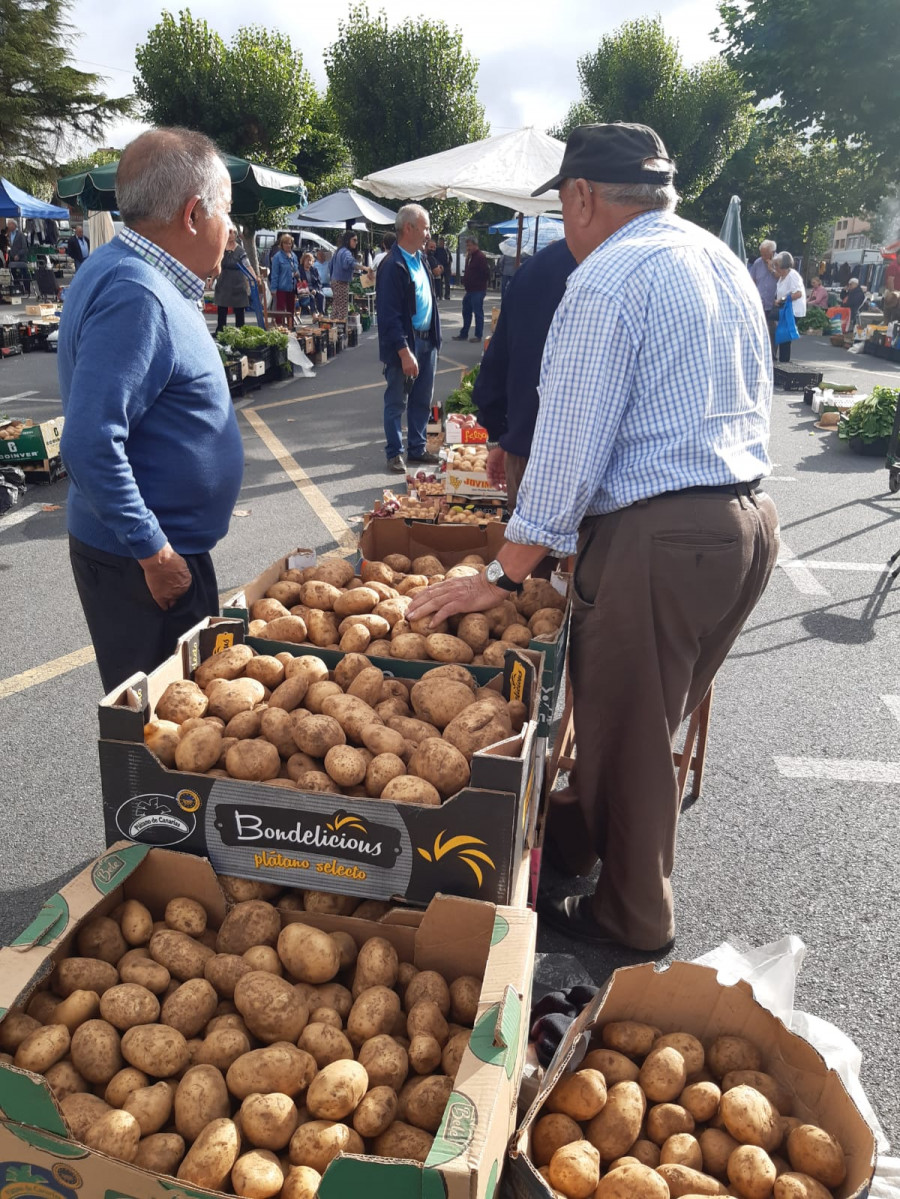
(689, 998)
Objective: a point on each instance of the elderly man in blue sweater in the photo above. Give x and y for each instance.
(150, 441)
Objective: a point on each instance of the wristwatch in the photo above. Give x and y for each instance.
(492, 445)
(494, 573)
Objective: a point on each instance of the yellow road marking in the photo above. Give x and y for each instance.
(327, 514)
(338, 391)
(45, 672)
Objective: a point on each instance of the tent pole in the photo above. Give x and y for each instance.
(519, 239)
(537, 222)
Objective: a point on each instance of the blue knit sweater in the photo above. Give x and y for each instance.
(150, 441)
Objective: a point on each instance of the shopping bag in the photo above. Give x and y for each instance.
(786, 329)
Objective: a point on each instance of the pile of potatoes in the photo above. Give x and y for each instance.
(290, 722)
(329, 606)
(656, 1116)
(243, 1059)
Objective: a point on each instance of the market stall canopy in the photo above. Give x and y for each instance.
(16, 203)
(100, 229)
(297, 221)
(343, 208)
(537, 233)
(502, 170)
(253, 187)
(731, 232)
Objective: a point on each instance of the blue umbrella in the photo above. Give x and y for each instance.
(537, 232)
(731, 233)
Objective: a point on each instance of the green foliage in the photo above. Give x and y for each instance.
(43, 98)
(460, 400)
(815, 319)
(323, 157)
(831, 65)
(871, 417)
(400, 93)
(251, 337)
(637, 74)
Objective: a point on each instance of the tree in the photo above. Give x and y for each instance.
(792, 189)
(44, 99)
(702, 112)
(831, 66)
(401, 93)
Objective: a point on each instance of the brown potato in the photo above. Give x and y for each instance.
(616, 1127)
(574, 1169)
(615, 1067)
(200, 1098)
(427, 984)
(377, 965)
(161, 737)
(372, 1014)
(146, 973)
(580, 1095)
(550, 1133)
(481, 724)
(729, 1053)
(352, 714)
(751, 1172)
(121, 1085)
(423, 1101)
(199, 750)
(151, 1106)
(95, 1051)
(160, 1153)
(407, 789)
(717, 1146)
(126, 1005)
(272, 1009)
(325, 1043)
(43, 1048)
(228, 697)
(663, 1074)
(190, 1007)
(308, 954)
(210, 1159)
(799, 1186)
(317, 1142)
(682, 1149)
(453, 1053)
(268, 1121)
(438, 700)
(266, 670)
(403, 1141)
(63, 1079)
(223, 970)
(385, 1061)
(752, 1119)
(156, 1049)
(180, 701)
(74, 1010)
(815, 1152)
(441, 764)
(664, 1120)
(368, 686)
(116, 1134)
(336, 1090)
(687, 1045)
(632, 1180)
(182, 956)
(317, 734)
(630, 1037)
(764, 1083)
(252, 922)
(346, 765)
(221, 1048)
(280, 1068)
(682, 1181)
(81, 1111)
(101, 938)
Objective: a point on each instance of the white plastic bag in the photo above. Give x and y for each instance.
(296, 357)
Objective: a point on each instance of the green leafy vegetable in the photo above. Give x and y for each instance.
(461, 399)
(871, 417)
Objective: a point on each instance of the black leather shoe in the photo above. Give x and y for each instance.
(460, 337)
(572, 915)
(427, 456)
(397, 465)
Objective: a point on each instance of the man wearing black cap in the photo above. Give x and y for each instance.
(649, 450)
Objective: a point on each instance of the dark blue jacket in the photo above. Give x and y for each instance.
(395, 296)
(506, 390)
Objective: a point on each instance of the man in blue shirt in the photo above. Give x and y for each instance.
(409, 338)
(150, 441)
(648, 454)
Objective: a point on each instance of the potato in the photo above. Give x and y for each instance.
(258, 1174)
(368, 686)
(336, 571)
(264, 610)
(161, 737)
(308, 954)
(372, 1014)
(352, 714)
(729, 1053)
(43, 1048)
(615, 1067)
(663, 1074)
(764, 1083)
(256, 760)
(210, 1159)
(682, 1180)
(221, 1047)
(441, 764)
(645, 1152)
(345, 765)
(682, 1149)
(265, 669)
(550, 1133)
(317, 1142)
(123, 1083)
(128, 1004)
(228, 698)
(101, 938)
(322, 628)
(180, 701)
(229, 664)
(282, 1068)
(815, 1152)
(574, 1169)
(268, 1121)
(751, 1118)
(116, 1134)
(317, 734)
(453, 1053)
(717, 1146)
(481, 724)
(425, 1020)
(95, 1051)
(272, 1009)
(424, 1100)
(253, 922)
(751, 1172)
(616, 1127)
(181, 955)
(375, 1112)
(198, 750)
(799, 1186)
(336, 1090)
(377, 965)
(17, 1025)
(443, 647)
(580, 1095)
(385, 1061)
(200, 1098)
(406, 789)
(630, 1037)
(301, 1182)
(427, 984)
(63, 1079)
(81, 1111)
(190, 1007)
(632, 1181)
(664, 1120)
(156, 1049)
(325, 1043)
(151, 1106)
(263, 957)
(146, 973)
(425, 1053)
(438, 700)
(288, 628)
(75, 1009)
(223, 970)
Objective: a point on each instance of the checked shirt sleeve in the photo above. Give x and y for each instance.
(586, 381)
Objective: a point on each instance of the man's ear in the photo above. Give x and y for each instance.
(189, 214)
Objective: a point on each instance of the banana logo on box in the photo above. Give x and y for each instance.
(464, 848)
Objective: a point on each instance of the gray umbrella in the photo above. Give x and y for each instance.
(731, 232)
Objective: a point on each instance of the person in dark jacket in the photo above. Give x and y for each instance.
(409, 338)
(442, 254)
(232, 288)
(475, 281)
(506, 390)
(78, 247)
(309, 287)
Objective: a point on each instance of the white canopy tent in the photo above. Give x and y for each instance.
(501, 170)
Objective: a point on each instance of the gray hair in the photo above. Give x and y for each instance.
(162, 169)
(768, 244)
(785, 261)
(853, 283)
(648, 197)
(408, 215)
(10, 221)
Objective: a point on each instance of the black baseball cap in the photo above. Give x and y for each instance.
(614, 153)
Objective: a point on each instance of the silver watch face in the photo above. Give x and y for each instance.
(493, 571)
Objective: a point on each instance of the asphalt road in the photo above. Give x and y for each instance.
(796, 830)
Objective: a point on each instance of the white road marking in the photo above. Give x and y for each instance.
(825, 564)
(892, 703)
(780, 479)
(845, 770)
(799, 574)
(16, 517)
(20, 395)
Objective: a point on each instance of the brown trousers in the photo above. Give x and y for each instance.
(660, 592)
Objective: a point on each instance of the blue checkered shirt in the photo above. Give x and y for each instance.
(656, 376)
(189, 284)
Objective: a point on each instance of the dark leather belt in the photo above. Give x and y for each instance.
(725, 489)
(423, 334)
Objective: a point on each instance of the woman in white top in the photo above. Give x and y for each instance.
(789, 286)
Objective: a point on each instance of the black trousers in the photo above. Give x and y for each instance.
(222, 317)
(129, 630)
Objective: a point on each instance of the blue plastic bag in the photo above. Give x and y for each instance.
(786, 329)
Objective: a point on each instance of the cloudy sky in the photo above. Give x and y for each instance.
(527, 51)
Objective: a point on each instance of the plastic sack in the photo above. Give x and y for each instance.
(296, 357)
(786, 329)
(771, 970)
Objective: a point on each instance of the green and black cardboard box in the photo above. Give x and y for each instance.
(457, 937)
(34, 443)
(473, 844)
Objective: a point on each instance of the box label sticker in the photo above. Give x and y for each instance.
(456, 1132)
(158, 819)
(302, 560)
(223, 641)
(21, 1180)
